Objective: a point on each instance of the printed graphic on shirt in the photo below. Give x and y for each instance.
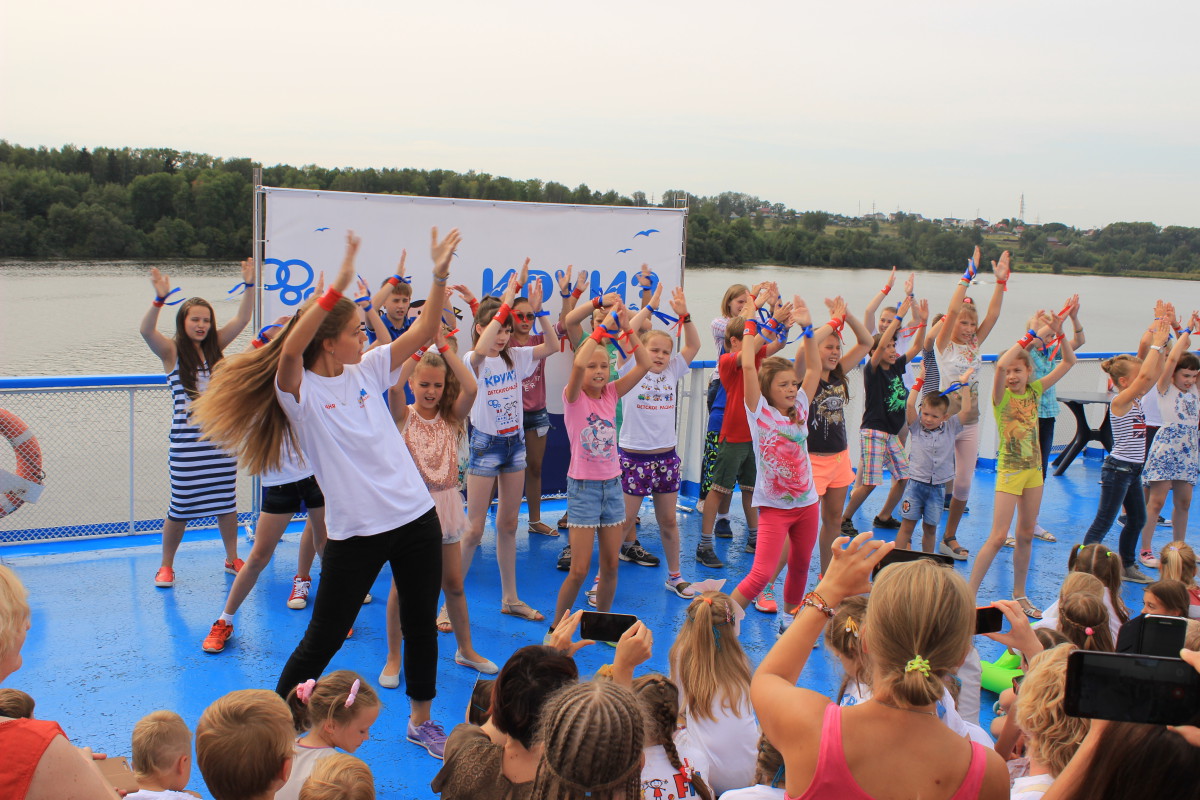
(503, 399)
(677, 787)
(1017, 417)
(783, 468)
(656, 393)
(895, 396)
(830, 408)
(598, 438)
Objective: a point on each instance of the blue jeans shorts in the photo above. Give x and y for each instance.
(923, 501)
(492, 455)
(537, 421)
(595, 504)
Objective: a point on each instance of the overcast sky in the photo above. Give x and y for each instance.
(944, 108)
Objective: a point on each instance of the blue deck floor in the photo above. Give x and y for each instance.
(106, 647)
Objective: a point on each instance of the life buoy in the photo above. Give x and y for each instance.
(29, 460)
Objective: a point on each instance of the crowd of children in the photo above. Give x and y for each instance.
(366, 416)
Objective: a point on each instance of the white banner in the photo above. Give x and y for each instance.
(306, 233)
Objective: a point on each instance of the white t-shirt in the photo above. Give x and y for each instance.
(1150, 407)
(785, 477)
(1031, 787)
(497, 410)
(367, 475)
(1050, 616)
(303, 761)
(292, 468)
(759, 791)
(946, 710)
(661, 781)
(648, 410)
(166, 794)
(729, 744)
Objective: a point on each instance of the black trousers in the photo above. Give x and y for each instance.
(348, 569)
(1045, 440)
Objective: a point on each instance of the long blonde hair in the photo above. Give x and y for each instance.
(707, 660)
(918, 630)
(1178, 563)
(1053, 737)
(239, 411)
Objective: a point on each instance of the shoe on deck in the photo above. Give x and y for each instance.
(217, 637)
(1163, 522)
(1135, 575)
(723, 530)
(562, 522)
(299, 596)
(765, 602)
(708, 558)
(848, 528)
(637, 554)
(681, 588)
(430, 735)
(235, 566)
(486, 666)
(751, 544)
(564, 559)
(889, 524)
(164, 578)
(591, 594)
(367, 599)
(1148, 559)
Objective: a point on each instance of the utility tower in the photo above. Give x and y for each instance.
(1021, 216)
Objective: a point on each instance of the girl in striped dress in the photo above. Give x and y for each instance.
(203, 477)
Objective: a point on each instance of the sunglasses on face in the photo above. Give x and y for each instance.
(524, 316)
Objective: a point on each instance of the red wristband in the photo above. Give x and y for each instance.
(443, 348)
(417, 356)
(502, 314)
(751, 328)
(918, 383)
(329, 299)
(1003, 285)
(158, 303)
(886, 290)
(474, 304)
(577, 293)
(597, 302)
(394, 280)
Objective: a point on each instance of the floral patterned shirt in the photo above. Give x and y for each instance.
(781, 454)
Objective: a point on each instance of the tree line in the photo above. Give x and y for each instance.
(162, 203)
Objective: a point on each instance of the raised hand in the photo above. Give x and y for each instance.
(364, 292)
(248, 271)
(905, 306)
(1002, 268)
(564, 280)
(909, 283)
(346, 272)
(535, 296)
(1020, 635)
(891, 280)
(977, 257)
(400, 266)
(922, 307)
(524, 279)
(443, 251)
(657, 296)
(560, 638)
(678, 302)
(464, 292)
(622, 315)
(510, 291)
(800, 313)
(783, 312)
(850, 567)
(837, 306)
(581, 282)
(1162, 332)
(160, 282)
(1073, 311)
(611, 299)
(320, 288)
(644, 278)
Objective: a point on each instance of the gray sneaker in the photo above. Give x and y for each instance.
(708, 558)
(1135, 575)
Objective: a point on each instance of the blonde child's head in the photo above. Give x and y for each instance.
(14, 620)
(592, 735)
(734, 300)
(660, 346)
(435, 386)
(340, 776)
(244, 745)
(968, 323)
(340, 708)
(843, 634)
(1166, 598)
(16, 704)
(1121, 369)
(707, 659)
(918, 630)
(1098, 560)
(162, 748)
(1052, 735)
(1178, 562)
(1083, 619)
(660, 702)
(1081, 583)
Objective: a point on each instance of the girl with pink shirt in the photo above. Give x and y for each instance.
(595, 502)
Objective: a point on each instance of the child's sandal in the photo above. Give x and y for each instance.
(523, 610)
(951, 547)
(1029, 608)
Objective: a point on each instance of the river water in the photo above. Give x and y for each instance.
(81, 317)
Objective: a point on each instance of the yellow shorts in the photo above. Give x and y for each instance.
(1017, 482)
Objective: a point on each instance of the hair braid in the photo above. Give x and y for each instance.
(592, 735)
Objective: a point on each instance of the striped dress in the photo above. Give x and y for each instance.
(203, 477)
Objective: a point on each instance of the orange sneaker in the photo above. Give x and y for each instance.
(164, 578)
(350, 633)
(217, 637)
(235, 566)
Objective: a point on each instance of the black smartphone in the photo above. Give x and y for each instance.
(1152, 635)
(899, 556)
(1126, 687)
(601, 626)
(988, 619)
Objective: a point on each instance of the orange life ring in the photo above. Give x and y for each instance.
(29, 458)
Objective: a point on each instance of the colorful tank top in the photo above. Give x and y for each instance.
(434, 447)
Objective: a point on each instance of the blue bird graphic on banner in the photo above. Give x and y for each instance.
(318, 230)
(645, 233)
(626, 250)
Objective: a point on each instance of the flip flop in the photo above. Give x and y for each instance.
(523, 610)
(443, 621)
(1029, 608)
(1010, 542)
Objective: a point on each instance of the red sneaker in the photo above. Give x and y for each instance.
(299, 595)
(164, 578)
(235, 566)
(765, 602)
(217, 637)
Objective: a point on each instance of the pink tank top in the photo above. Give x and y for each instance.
(833, 781)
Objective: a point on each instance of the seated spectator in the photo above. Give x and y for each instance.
(1084, 620)
(1051, 737)
(15, 704)
(39, 762)
(1168, 598)
(670, 764)
(244, 745)
(768, 776)
(162, 757)
(341, 776)
(480, 709)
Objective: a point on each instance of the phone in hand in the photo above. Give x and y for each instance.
(602, 626)
(1126, 687)
(117, 772)
(898, 556)
(988, 619)
(1152, 635)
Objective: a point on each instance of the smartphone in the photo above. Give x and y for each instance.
(1152, 635)
(900, 556)
(601, 626)
(117, 772)
(1126, 687)
(1017, 680)
(988, 619)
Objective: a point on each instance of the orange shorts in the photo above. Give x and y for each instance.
(831, 470)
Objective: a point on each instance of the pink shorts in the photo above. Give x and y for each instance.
(831, 470)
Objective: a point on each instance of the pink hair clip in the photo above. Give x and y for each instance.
(305, 690)
(354, 687)
(1089, 631)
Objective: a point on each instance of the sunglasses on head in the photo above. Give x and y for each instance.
(524, 316)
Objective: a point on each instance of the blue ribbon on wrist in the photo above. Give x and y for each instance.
(954, 387)
(241, 287)
(163, 299)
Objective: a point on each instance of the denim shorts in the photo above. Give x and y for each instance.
(537, 420)
(491, 455)
(595, 504)
(923, 501)
(288, 498)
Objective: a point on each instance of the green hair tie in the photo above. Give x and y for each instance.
(918, 664)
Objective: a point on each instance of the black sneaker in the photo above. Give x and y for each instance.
(722, 530)
(848, 528)
(708, 558)
(889, 524)
(564, 559)
(638, 555)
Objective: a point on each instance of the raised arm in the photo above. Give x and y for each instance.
(1079, 339)
(691, 336)
(863, 340)
(1001, 270)
(641, 357)
(946, 334)
(1002, 364)
(750, 343)
(487, 337)
(385, 289)
(426, 326)
(160, 345)
(549, 345)
(889, 333)
(230, 330)
(572, 323)
(809, 352)
(914, 394)
(1182, 345)
(1068, 356)
(921, 318)
(374, 322)
(290, 370)
(583, 354)
(1148, 375)
(872, 310)
(468, 387)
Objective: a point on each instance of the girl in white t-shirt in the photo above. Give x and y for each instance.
(649, 463)
(769, 776)
(497, 462)
(316, 386)
(670, 766)
(334, 713)
(777, 412)
(713, 675)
